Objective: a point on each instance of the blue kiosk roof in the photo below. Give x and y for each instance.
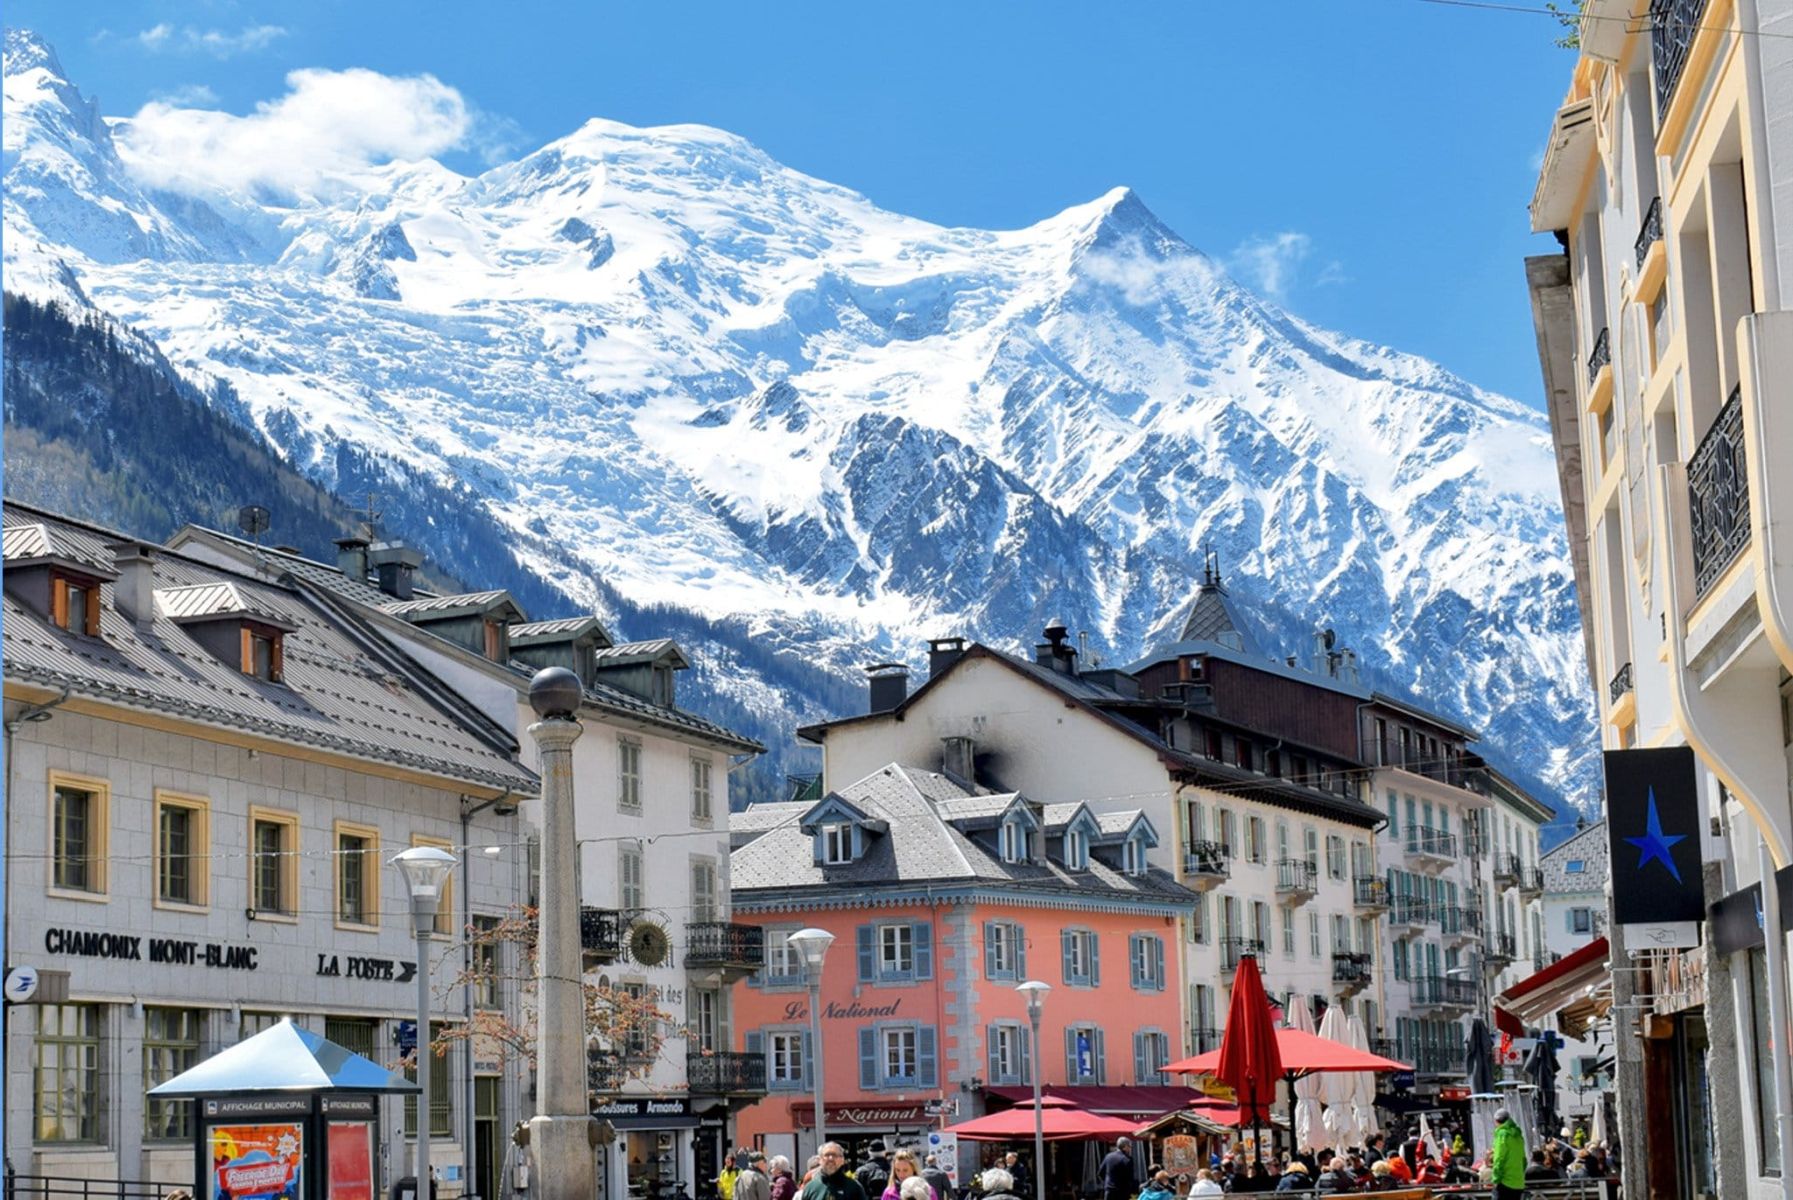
(284, 1058)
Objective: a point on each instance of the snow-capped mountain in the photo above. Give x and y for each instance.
(725, 386)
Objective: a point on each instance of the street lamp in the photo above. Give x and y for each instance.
(811, 946)
(426, 869)
(1035, 991)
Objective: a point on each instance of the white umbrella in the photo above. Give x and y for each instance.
(1599, 1131)
(1307, 1088)
(1339, 1088)
(1363, 1100)
(1427, 1146)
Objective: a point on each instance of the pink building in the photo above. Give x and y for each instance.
(942, 898)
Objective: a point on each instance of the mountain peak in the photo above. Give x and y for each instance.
(1118, 221)
(26, 51)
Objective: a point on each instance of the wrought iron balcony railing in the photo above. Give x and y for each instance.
(1501, 947)
(1207, 861)
(1507, 870)
(1296, 877)
(1621, 683)
(1232, 949)
(1433, 842)
(726, 945)
(1461, 921)
(1673, 24)
(1370, 891)
(725, 1073)
(1351, 968)
(1718, 495)
(1601, 356)
(1410, 910)
(1531, 883)
(602, 932)
(1203, 1039)
(1442, 991)
(605, 1071)
(1651, 232)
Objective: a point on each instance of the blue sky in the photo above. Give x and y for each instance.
(1368, 162)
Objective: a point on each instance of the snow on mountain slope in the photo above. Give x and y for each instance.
(728, 386)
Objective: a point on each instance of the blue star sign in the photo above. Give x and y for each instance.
(1655, 845)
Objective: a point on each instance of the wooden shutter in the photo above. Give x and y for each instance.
(1100, 1054)
(91, 618)
(1026, 1043)
(994, 1071)
(926, 1071)
(1018, 936)
(868, 953)
(924, 950)
(989, 949)
(809, 1057)
(868, 1058)
(1064, 950)
(1070, 1055)
(1095, 958)
(1139, 1057)
(756, 1044)
(1135, 953)
(59, 603)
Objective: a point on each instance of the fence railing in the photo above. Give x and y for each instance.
(1718, 495)
(1673, 24)
(1650, 233)
(59, 1187)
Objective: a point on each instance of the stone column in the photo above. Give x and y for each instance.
(560, 1134)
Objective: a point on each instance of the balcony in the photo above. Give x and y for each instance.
(1651, 233)
(1434, 1060)
(1461, 924)
(605, 1071)
(1232, 949)
(1600, 357)
(1296, 880)
(1499, 949)
(1370, 892)
(1460, 772)
(725, 1073)
(1206, 865)
(1204, 1039)
(724, 948)
(1387, 1048)
(1507, 870)
(1431, 846)
(1351, 971)
(1531, 883)
(1410, 913)
(1673, 24)
(1443, 992)
(1718, 496)
(1620, 686)
(602, 932)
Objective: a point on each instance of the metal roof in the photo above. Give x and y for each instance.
(24, 541)
(221, 598)
(563, 629)
(344, 688)
(284, 1058)
(1590, 849)
(458, 604)
(639, 652)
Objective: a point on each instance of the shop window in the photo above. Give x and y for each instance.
(79, 822)
(182, 839)
(66, 1073)
(357, 876)
(170, 1046)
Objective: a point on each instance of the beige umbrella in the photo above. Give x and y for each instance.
(1339, 1090)
(1308, 1121)
(1363, 1100)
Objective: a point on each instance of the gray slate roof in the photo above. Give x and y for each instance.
(1589, 848)
(345, 690)
(920, 847)
(1211, 617)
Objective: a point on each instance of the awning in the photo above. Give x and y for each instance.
(1140, 1102)
(1577, 989)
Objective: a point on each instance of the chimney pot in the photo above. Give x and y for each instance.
(396, 564)
(351, 557)
(133, 592)
(958, 758)
(943, 653)
(889, 686)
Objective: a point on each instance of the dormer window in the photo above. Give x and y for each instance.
(837, 844)
(1133, 856)
(1014, 842)
(1076, 851)
(75, 604)
(263, 652)
(496, 649)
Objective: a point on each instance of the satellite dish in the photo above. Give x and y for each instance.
(253, 520)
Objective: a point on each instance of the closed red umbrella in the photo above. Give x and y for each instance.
(1250, 1060)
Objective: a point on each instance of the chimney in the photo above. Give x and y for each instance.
(889, 686)
(351, 557)
(1323, 640)
(134, 591)
(396, 564)
(1348, 666)
(958, 758)
(943, 653)
(1056, 651)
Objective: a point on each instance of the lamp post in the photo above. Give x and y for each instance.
(811, 946)
(426, 869)
(1035, 991)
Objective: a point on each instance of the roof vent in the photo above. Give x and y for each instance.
(1056, 651)
(396, 564)
(351, 557)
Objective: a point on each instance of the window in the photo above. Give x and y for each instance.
(1310, 848)
(352, 1033)
(1260, 922)
(170, 1046)
(75, 604)
(1146, 957)
(1335, 856)
(703, 890)
(897, 1056)
(1575, 866)
(786, 1057)
(701, 799)
(1085, 1054)
(784, 966)
(274, 862)
(251, 1023)
(900, 1058)
(357, 875)
(706, 1020)
(896, 950)
(66, 1073)
(78, 829)
(1008, 1054)
(495, 641)
(181, 838)
(1394, 816)
(630, 894)
(1282, 839)
(896, 953)
(1313, 933)
(637, 1038)
(445, 922)
(1254, 839)
(1581, 920)
(837, 844)
(628, 774)
(1082, 958)
(1076, 850)
(1341, 933)
(441, 1093)
(1013, 842)
(488, 963)
(263, 653)
(1151, 1051)
(1199, 933)
(1004, 953)
(1226, 830)
(1288, 933)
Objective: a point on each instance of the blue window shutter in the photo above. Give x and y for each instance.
(1158, 963)
(1139, 1057)
(756, 1044)
(1095, 959)
(1070, 1055)
(989, 949)
(809, 1059)
(868, 954)
(1019, 935)
(815, 847)
(1135, 948)
(868, 1058)
(1064, 950)
(927, 1075)
(1101, 1056)
(994, 1074)
(924, 950)
(1026, 1058)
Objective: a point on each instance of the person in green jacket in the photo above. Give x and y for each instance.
(1508, 1157)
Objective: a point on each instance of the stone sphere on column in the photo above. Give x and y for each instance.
(555, 692)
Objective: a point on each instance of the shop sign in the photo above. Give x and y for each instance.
(1453, 1093)
(1181, 1155)
(250, 1162)
(945, 1149)
(1653, 829)
(355, 966)
(874, 1115)
(798, 1010)
(1400, 1081)
(87, 943)
(643, 1106)
(1737, 921)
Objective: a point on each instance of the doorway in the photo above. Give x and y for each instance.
(486, 1159)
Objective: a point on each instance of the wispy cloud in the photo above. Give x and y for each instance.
(166, 38)
(328, 125)
(1332, 275)
(1271, 262)
(189, 95)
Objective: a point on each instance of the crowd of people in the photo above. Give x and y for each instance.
(884, 1174)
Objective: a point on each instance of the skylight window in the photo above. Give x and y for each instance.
(1575, 866)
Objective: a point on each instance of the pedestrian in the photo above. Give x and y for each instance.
(725, 1182)
(1334, 1179)
(1372, 1149)
(1205, 1184)
(915, 1188)
(1382, 1177)
(784, 1183)
(1295, 1179)
(874, 1172)
(937, 1179)
(831, 1181)
(998, 1184)
(1507, 1157)
(752, 1184)
(1159, 1187)
(903, 1168)
(1116, 1172)
(1541, 1170)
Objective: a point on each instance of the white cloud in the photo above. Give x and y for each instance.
(1270, 262)
(1332, 275)
(329, 125)
(189, 95)
(216, 42)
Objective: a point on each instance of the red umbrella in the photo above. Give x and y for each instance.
(1057, 1123)
(1301, 1054)
(1250, 1061)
